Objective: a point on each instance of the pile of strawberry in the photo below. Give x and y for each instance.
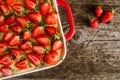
(26, 32)
(104, 17)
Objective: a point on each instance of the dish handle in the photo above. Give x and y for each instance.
(70, 34)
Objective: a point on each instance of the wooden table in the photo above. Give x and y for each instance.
(92, 54)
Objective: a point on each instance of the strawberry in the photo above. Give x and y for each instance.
(98, 11)
(35, 17)
(107, 17)
(7, 37)
(3, 46)
(16, 52)
(2, 19)
(26, 46)
(11, 2)
(16, 28)
(22, 21)
(5, 60)
(44, 8)
(44, 40)
(37, 31)
(57, 44)
(5, 9)
(10, 20)
(51, 58)
(18, 8)
(15, 41)
(38, 49)
(22, 64)
(26, 35)
(94, 23)
(51, 18)
(34, 58)
(30, 4)
(51, 30)
(6, 71)
(4, 28)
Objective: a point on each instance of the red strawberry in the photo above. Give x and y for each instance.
(107, 17)
(30, 4)
(16, 52)
(15, 41)
(5, 60)
(18, 8)
(7, 37)
(57, 44)
(51, 58)
(11, 2)
(3, 46)
(51, 30)
(5, 9)
(34, 58)
(44, 40)
(22, 64)
(4, 28)
(6, 71)
(51, 18)
(98, 11)
(37, 31)
(26, 46)
(26, 35)
(35, 17)
(16, 28)
(22, 21)
(10, 20)
(38, 49)
(94, 23)
(44, 8)
(2, 19)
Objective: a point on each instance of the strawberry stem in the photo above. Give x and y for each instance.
(45, 0)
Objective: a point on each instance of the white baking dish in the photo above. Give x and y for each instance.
(67, 37)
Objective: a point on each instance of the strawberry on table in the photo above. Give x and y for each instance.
(16, 52)
(10, 20)
(94, 23)
(26, 46)
(7, 37)
(44, 40)
(22, 64)
(26, 35)
(5, 9)
(35, 59)
(15, 40)
(11, 2)
(3, 46)
(44, 8)
(6, 71)
(19, 8)
(51, 18)
(38, 49)
(36, 17)
(4, 28)
(57, 44)
(37, 31)
(98, 11)
(30, 4)
(107, 16)
(16, 28)
(5, 60)
(51, 30)
(51, 58)
(22, 21)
